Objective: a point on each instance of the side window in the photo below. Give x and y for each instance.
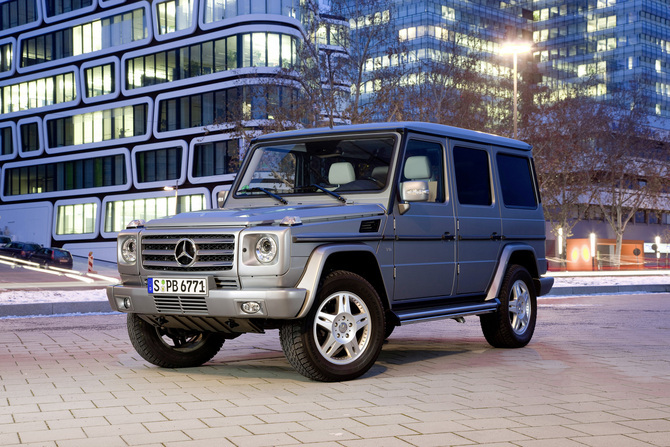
(424, 161)
(473, 177)
(516, 181)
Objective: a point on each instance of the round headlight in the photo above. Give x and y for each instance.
(266, 249)
(129, 250)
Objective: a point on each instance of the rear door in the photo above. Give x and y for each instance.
(478, 216)
(424, 246)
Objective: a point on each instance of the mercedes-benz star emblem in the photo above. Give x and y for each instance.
(185, 252)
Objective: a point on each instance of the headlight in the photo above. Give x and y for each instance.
(129, 250)
(266, 249)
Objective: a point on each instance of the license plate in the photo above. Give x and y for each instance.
(177, 286)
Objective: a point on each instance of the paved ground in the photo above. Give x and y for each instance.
(597, 373)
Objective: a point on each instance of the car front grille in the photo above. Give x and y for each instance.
(214, 252)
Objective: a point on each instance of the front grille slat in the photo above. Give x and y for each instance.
(215, 253)
(181, 305)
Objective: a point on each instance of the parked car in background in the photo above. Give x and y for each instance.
(4, 240)
(20, 250)
(54, 257)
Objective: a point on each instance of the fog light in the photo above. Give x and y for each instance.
(126, 303)
(251, 307)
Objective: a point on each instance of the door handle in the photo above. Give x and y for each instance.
(448, 237)
(496, 237)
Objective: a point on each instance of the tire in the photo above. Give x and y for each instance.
(342, 336)
(514, 323)
(172, 348)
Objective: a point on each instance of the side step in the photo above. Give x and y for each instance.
(442, 312)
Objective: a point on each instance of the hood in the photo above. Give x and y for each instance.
(246, 217)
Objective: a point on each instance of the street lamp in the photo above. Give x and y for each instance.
(515, 48)
(176, 192)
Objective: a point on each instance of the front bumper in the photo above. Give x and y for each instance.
(274, 303)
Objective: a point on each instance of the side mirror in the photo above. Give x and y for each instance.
(414, 191)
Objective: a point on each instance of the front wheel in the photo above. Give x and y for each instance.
(514, 323)
(342, 336)
(172, 348)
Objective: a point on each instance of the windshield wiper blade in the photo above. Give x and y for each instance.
(329, 192)
(271, 194)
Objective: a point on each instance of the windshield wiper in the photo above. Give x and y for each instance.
(271, 194)
(329, 192)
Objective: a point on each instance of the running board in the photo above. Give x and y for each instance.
(453, 311)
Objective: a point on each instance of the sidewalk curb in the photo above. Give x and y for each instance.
(47, 309)
(607, 290)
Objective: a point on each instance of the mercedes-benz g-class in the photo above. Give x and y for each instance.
(335, 237)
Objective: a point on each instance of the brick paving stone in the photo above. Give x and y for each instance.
(435, 384)
(436, 440)
(611, 441)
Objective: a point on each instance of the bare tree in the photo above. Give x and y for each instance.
(630, 167)
(563, 139)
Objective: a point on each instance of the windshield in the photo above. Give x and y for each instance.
(340, 166)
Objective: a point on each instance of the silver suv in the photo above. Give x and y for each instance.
(335, 237)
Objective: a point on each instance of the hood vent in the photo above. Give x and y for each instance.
(370, 226)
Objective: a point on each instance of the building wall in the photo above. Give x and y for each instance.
(103, 103)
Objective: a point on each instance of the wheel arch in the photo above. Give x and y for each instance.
(513, 254)
(356, 258)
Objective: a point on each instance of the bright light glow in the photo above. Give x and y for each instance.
(592, 236)
(514, 48)
(560, 241)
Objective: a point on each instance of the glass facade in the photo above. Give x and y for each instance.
(119, 213)
(6, 57)
(114, 31)
(216, 158)
(66, 175)
(216, 56)
(6, 144)
(158, 165)
(219, 10)
(14, 13)
(204, 109)
(38, 93)
(78, 218)
(174, 15)
(101, 100)
(57, 7)
(30, 141)
(94, 127)
(99, 80)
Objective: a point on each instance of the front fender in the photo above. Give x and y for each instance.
(314, 269)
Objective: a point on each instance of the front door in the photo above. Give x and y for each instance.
(425, 247)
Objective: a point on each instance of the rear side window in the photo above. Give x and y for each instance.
(516, 181)
(473, 177)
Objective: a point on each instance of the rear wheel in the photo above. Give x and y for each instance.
(514, 323)
(342, 336)
(172, 348)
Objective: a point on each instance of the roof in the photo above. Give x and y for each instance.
(410, 126)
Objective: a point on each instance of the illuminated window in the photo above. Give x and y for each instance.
(66, 175)
(99, 80)
(217, 10)
(119, 213)
(85, 38)
(102, 125)
(174, 15)
(5, 57)
(38, 93)
(78, 218)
